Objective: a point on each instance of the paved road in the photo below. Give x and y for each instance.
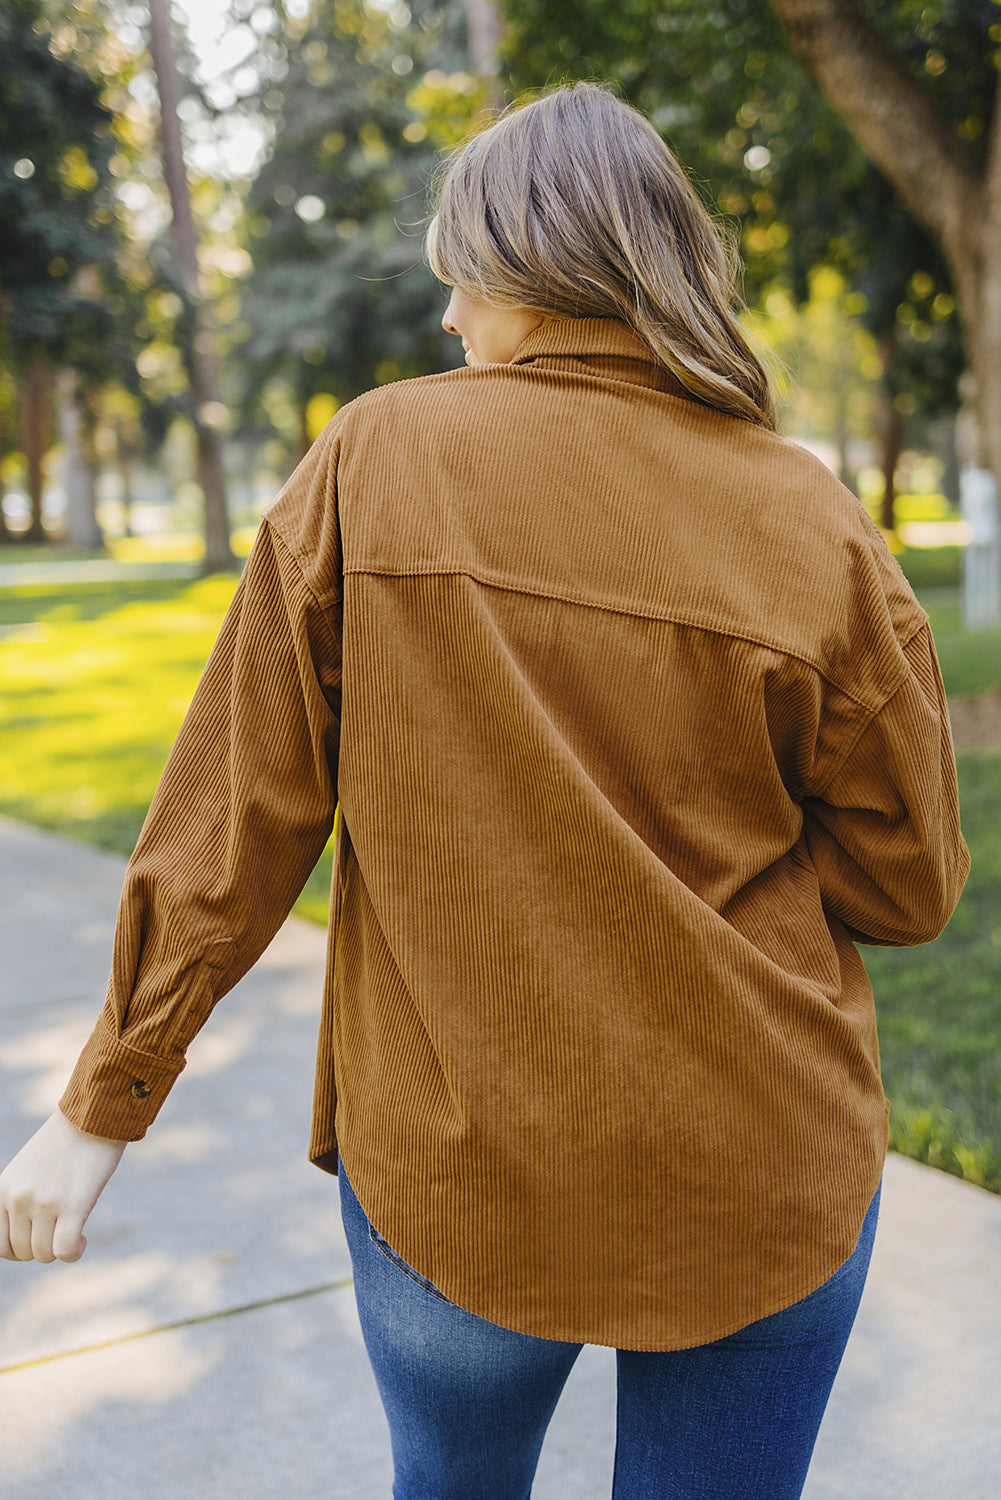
(206, 1346)
(92, 570)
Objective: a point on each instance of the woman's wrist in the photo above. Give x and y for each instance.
(86, 1134)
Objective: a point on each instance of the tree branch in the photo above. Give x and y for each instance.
(894, 119)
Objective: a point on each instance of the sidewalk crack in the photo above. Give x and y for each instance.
(145, 1333)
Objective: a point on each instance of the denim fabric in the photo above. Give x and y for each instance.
(468, 1402)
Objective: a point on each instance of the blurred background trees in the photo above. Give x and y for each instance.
(206, 411)
(918, 88)
(339, 298)
(60, 246)
(766, 148)
(172, 367)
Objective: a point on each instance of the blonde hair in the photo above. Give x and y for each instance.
(572, 205)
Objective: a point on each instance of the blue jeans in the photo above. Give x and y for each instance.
(468, 1402)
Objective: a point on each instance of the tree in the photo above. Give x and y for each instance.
(356, 99)
(55, 204)
(765, 147)
(76, 283)
(203, 375)
(485, 29)
(947, 169)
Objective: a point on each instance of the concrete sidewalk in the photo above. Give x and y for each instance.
(206, 1345)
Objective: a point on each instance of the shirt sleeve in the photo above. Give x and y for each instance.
(242, 812)
(884, 833)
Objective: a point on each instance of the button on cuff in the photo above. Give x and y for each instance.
(141, 1089)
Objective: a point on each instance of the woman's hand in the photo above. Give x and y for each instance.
(50, 1187)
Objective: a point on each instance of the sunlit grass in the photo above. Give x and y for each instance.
(94, 683)
(159, 547)
(179, 546)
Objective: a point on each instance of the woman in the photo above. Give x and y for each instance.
(636, 730)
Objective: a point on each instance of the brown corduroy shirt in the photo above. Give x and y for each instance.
(636, 729)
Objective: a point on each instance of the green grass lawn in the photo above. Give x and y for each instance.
(173, 546)
(939, 1008)
(94, 681)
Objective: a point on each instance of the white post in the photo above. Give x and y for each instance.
(79, 477)
(978, 503)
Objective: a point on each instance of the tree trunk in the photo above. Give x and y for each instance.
(484, 28)
(950, 460)
(842, 435)
(889, 433)
(304, 440)
(983, 343)
(5, 535)
(36, 432)
(123, 463)
(79, 469)
(891, 441)
(937, 175)
(207, 407)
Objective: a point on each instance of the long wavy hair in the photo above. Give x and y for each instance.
(571, 204)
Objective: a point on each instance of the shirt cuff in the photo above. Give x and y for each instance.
(116, 1091)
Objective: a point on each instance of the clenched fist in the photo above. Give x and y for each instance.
(50, 1187)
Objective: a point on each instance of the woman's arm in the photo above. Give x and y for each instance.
(239, 819)
(884, 833)
(241, 814)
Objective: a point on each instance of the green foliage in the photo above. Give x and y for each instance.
(829, 370)
(56, 144)
(940, 1138)
(340, 298)
(72, 278)
(763, 145)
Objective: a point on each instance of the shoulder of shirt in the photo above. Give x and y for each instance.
(807, 505)
(412, 388)
(309, 479)
(301, 514)
(863, 561)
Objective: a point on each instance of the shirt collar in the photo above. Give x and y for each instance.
(600, 346)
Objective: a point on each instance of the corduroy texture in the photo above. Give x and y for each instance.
(635, 726)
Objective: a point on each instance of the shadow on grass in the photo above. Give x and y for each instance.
(27, 603)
